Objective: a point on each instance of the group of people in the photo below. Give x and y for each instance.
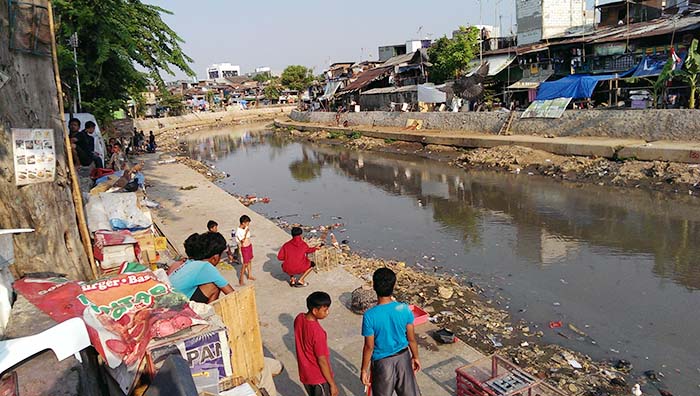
(390, 351)
(86, 145)
(138, 142)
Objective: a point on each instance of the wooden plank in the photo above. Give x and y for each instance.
(239, 313)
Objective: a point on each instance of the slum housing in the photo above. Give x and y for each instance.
(613, 61)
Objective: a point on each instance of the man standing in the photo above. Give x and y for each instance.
(388, 332)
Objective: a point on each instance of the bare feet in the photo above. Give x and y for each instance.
(251, 278)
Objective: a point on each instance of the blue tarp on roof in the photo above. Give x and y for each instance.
(576, 86)
(651, 65)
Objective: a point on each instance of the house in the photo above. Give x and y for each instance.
(387, 52)
(615, 13)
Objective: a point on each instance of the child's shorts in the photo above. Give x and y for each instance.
(247, 253)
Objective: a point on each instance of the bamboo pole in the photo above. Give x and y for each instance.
(75, 187)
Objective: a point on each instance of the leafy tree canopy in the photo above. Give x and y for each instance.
(297, 78)
(117, 39)
(450, 56)
(262, 77)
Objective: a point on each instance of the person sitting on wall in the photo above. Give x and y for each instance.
(197, 277)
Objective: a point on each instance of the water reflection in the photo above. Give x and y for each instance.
(551, 220)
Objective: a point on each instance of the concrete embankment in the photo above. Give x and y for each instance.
(184, 211)
(648, 125)
(597, 146)
(204, 119)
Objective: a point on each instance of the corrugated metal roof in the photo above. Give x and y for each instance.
(390, 90)
(367, 78)
(530, 82)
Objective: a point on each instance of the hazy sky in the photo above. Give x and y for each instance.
(314, 33)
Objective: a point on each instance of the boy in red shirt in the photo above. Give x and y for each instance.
(313, 356)
(294, 259)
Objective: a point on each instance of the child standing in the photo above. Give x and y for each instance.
(246, 249)
(389, 335)
(313, 356)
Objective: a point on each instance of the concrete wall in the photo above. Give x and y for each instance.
(208, 118)
(649, 125)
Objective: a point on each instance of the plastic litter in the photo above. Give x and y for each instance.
(555, 325)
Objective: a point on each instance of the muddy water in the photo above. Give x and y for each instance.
(621, 265)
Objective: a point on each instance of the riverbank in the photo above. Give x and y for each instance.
(188, 200)
(585, 161)
(479, 323)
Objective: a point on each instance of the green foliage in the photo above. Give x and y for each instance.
(139, 101)
(172, 102)
(336, 135)
(355, 135)
(115, 36)
(297, 78)
(389, 141)
(450, 56)
(262, 77)
(273, 90)
(692, 69)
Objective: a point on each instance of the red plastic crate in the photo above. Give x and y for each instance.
(419, 315)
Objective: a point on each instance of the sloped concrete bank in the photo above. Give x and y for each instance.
(648, 125)
(586, 146)
(211, 118)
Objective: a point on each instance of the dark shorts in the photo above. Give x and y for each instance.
(318, 390)
(199, 297)
(394, 373)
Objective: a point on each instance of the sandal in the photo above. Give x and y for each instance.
(292, 282)
(302, 284)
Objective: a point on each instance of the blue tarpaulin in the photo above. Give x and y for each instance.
(576, 86)
(651, 65)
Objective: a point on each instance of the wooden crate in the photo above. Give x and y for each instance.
(326, 258)
(239, 313)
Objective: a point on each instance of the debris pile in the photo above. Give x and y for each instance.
(465, 312)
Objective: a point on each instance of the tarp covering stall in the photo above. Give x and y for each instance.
(531, 82)
(576, 86)
(428, 93)
(652, 65)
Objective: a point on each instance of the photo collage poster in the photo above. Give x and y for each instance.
(35, 155)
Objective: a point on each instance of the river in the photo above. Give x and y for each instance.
(620, 264)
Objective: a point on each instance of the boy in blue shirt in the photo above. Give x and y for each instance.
(388, 332)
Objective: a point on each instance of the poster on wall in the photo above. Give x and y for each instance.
(35, 155)
(553, 108)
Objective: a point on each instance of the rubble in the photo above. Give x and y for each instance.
(461, 308)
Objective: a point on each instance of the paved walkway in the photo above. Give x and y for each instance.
(675, 151)
(183, 212)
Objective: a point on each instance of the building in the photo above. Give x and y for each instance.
(263, 69)
(219, 71)
(615, 13)
(389, 51)
(541, 19)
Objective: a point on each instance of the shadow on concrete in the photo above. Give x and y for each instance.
(346, 374)
(274, 268)
(437, 372)
(283, 382)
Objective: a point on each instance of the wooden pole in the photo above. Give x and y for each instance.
(75, 186)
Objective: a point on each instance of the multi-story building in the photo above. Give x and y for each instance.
(541, 19)
(387, 52)
(218, 72)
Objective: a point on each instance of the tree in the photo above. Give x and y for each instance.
(171, 102)
(273, 90)
(262, 77)
(450, 56)
(297, 78)
(692, 68)
(114, 37)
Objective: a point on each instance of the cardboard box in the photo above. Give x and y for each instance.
(114, 256)
(147, 245)
(204, 351)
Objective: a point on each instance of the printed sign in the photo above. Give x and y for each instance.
(35, 155)
(553, 108)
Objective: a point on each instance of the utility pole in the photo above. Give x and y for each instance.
(73, 42)
(481, 36)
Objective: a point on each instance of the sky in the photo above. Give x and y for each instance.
(314, 33)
